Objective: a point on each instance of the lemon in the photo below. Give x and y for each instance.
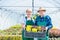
(39, 28)
(28, 28)
(34, 30)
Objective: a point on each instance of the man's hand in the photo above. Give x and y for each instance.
(43, 29)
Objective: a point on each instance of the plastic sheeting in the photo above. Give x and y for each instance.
(11, 11)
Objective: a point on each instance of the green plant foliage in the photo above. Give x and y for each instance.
(10, 37)
(13, 30)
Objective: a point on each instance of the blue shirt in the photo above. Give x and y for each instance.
(47, 19)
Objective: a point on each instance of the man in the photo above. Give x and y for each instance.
(27, 21)
(44, 21)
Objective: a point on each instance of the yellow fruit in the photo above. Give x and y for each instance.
(34, 29)
(28, 29)
(29, 26)
(39, 28)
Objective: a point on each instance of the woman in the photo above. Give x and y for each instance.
(27, 21)
(44, 21)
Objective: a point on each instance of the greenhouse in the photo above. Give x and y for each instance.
(12, 11)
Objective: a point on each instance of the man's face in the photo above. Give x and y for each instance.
(41, 13)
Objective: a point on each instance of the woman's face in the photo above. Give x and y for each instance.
(28, 13)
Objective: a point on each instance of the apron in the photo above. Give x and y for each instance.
(43, 24)
(28, 22)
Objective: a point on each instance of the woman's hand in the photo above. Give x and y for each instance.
(23, 26)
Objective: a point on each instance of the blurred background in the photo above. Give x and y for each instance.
(11, 11)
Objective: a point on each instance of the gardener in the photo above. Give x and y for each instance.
(27, 21)
(43, 21)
